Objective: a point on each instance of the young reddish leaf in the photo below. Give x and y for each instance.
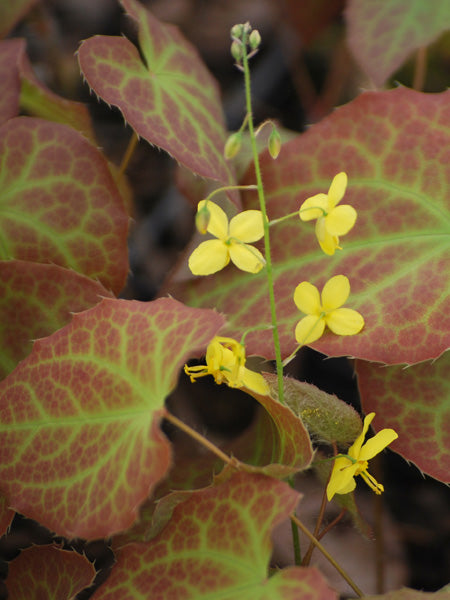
(35, 301)
(48, 572)
(414, 402)
(44, 163)
(11, 13)
(10, 51)
(168, 96)
(280, 445)
(395, 148)
(80, 444)
(6, 514)
(217, 544)
(382, 35)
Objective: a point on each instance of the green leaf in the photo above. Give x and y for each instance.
(41, 164)
(35, 301)
(48, 572)
(382, 35)
(217, 545)
(394, 147)
(416, 403)
(326, 417)
(12, 12)
(80, 444)
(167, 96)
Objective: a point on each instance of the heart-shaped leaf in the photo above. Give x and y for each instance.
(167, 95)
(382, 35)
(48, 572)
(59, 203)
(394, 147)
(80, 444)
(217, 544)
(35, 301)
(416, 403)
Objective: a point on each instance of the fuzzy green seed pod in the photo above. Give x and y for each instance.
(232, 145)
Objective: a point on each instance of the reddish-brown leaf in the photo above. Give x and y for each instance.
(48, 572)
(217, 544)
(59, 203)
(35, 301)
(415, 402)
(80, 444)
(167, 95)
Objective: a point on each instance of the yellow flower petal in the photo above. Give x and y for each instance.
(307, 298)
(355, 448)
(309, 329)
(337, 189)
(327, 242)
(246, 257)
(335, 292)
(341, 479)
(218, 221)
(254, 381)
(211, 256)
(314, 207)
(344, 321)
(378, 443)
(247, 226)
(340, 220)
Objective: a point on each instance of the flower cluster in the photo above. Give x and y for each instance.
(355, 463)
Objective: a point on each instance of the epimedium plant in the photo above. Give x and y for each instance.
(81, 449)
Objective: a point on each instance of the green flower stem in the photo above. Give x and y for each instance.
(227, 188)
(295, 214)
(262, 203)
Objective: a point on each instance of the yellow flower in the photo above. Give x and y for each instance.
(225, 361)
(231, 243)
(342, 321)
(332, 220)
(346, 469)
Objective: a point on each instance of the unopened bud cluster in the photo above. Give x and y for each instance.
(244, 39)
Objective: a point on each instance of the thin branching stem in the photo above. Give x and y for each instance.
(328, 556)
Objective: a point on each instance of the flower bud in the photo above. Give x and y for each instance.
(202, 218)
(236, 51)
(237, 31)
(254, 39)
(232, 145)
(274, 143)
